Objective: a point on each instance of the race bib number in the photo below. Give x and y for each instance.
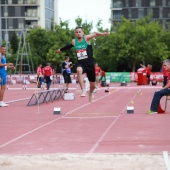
(81, 54)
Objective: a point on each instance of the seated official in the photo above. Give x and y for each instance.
(155, 104)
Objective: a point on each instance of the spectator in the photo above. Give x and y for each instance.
(103, 75)
(66, 71)
(155, 104)
(39, 76)
(47, 75)
(98, 74)
(165, 76)
(148, 71)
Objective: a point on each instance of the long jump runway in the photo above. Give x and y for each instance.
(103, 126)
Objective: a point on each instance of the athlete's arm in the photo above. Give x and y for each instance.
(67, 47)
(142, 65)
(6, 64)
(97, 34)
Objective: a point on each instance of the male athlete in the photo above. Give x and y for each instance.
(3, 73)
(85, 58)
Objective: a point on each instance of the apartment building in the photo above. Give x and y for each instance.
(26, 14)
(135, 9)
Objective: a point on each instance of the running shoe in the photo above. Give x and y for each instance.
(151, 112)
(3, 104)
(83, 93)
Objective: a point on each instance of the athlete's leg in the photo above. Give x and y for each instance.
(80, 77)
(2, 91)
(92, 86)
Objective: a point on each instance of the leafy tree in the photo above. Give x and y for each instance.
(132, 43)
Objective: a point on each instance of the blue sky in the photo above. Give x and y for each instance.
(90, 10)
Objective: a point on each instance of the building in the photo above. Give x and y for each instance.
(17, 15)
(135, 9)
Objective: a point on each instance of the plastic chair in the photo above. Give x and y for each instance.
(166, 100)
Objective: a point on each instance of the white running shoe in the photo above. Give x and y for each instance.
(4, 104)
(83, 94)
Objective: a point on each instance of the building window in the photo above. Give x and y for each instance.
(9, 1)
(149, 11)
(20, 1)
(31, 12)
(129, 14)
(10, 23)
(138, 3)
(49, 14)
(117, 4)
(117, 14)
(49, 4)
(140, 12)
(152, 3)
(20, 23)
(127, 3)
(48, 24)
(17, 11)
(160, 12)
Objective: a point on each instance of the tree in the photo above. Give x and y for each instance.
(130, 44)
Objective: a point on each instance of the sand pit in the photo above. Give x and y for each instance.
(83, 162)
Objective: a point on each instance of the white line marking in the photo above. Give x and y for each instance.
(130, 101)
(90, 117)
(106, 131)
(166, 159)
(12, 101)
(103, 135)
(46, 124)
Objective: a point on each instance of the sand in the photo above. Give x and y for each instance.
(83, 162)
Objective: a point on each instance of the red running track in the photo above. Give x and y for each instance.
(103, 126)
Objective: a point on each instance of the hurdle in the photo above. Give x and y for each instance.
(46, 96)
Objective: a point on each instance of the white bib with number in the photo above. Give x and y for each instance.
(81, 54)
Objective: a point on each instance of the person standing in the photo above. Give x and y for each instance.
(165, 76)
(47, 75)
(155, 104)
(103, 75)
(39, 76)
(3, 74)
(85, 58)
(66, 71)
(98, 74)
(148, 71)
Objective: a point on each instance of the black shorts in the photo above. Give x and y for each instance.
(67, 78)
(89, 70)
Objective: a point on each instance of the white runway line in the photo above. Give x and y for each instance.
(166, 159)
(103, 135)
(90, 117)
(130, 101)
(12, 101)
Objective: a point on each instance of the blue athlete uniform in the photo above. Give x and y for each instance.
(3, 71)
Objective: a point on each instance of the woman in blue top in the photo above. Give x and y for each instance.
(3, 73)
(66, 71)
